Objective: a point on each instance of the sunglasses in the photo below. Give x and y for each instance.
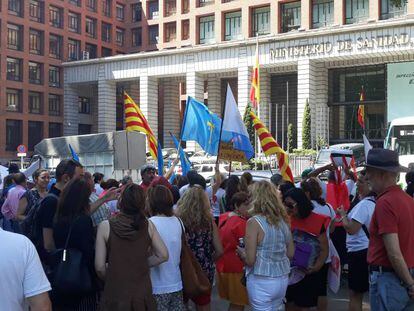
(290, 205)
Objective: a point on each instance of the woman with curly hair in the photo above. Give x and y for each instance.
(269, 246)
(202, 235)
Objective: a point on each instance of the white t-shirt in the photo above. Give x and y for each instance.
(22, 274)
(326, 210)
(166, 278)
(183, 189)
(98, 189)
(362, 213)
(215, 206)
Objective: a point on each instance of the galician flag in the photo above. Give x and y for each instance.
(361, 109)
(270, 146)
(255, 87)
(135, 121)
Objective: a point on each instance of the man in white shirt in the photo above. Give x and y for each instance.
(23, 282)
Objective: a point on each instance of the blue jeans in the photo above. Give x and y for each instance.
(387, 293)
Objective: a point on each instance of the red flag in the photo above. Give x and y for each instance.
(255, 88)
(361, 108)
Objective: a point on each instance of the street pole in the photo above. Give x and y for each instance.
(283, 126)
(287, 104)
(276, 122)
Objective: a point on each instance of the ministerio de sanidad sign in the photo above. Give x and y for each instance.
(348, 45)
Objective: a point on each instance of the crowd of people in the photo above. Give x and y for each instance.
(83, 242)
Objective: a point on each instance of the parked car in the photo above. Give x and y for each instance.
(202, 157)
(207, 170)
(257, 175)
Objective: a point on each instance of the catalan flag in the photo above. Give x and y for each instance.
(361, 108)
(255, 88)
(135, 121)
(270, 146)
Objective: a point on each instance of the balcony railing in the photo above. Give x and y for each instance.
(322, 14)
(389, 10)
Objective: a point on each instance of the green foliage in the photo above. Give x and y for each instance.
(306, 128)
(290, 138)
(249, 124)
(321, 142)
(304, 152)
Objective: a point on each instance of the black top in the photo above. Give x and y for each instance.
(48, 208)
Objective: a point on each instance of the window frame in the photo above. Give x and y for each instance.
(59, 46)
(324, 19)
(84, 105)
(39, 77)
(18, 67)
(17, 31)
(39, 96)
(17, 94)
(120, 8)
(55, 16)
(257, 14)
(74, 45)
(15, 132)
(134, 33)
(35, 134)
(208, 21)
(74, 22)
(230, 18)
(38, 7)
(55, 100)
(35, 41)
(54, 76)
(296, 8)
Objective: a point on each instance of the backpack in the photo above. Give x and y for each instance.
(307, 249)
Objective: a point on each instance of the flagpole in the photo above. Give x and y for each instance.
(221, 126)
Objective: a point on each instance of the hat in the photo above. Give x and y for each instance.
(196, 179)
(147, 167)
(306, 172)
(384, 159)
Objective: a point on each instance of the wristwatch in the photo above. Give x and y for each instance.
(409, 287)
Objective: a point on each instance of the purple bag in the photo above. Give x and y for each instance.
(302, 255)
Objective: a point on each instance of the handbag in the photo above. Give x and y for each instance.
(195, 281)
(70, 274)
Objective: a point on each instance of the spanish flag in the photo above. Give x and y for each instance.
(255, 88)
(270, 146)
(361, 108)
(135, 121)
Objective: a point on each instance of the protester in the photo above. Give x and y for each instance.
(215, 192)
(232, 228)
(232, 187)
(98, 213)
(305, 293)
(276, 179)
(72, 218)
(106, 186)
(202, 235)
(30, 202)
(126, 180)
(22, 280)
(166, 278)
(98, 179)
(356, 224)
(390, 251)
(13, 168)
(313, 191)
(246, 180)
(11, 204)
(122, 259)
(269, 246)
(409, 179)
(147, 175)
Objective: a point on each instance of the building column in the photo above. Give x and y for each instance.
(148, 87)
(374, 7)
(312, 87)
(410, 8)
(243, 81)
(106, 106)
(339, 12)
(274, 17)
(70, 110)
(195, 85)
(171, 112)
(305, 14)
(214, 95)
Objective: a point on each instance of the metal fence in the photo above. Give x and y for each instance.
(297, 163)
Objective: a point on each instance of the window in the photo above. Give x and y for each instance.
(14, 37)
(54, 76)
(16, 7)
(14, 100)
(232, 26)
(153, 10)
(91, 5)
(106, 32)
(36, 11)
(170, 7)
(136, 37)
(185, 29)
(14, 135)
(120, 12)
(106, 7)
(153, 34)
(291, 15)
(205, 2)
(35, 73)
(207, 29)
(91, 49)
(35, 102)
(54, 105)
(260, 21)
(136, 9)
(35, 133)
(84, 105)
(55, 129)
(55, 46)
(170, 31)
(14, 69)
(73, 49)
(105, 52)
(90, 27)
(74, 22)
(389, 10)
(185, 6)
(75, 2)
(322, 13)
(120, 36)
(356, 11)
(35, 42)
(84, 129)
(55, 17)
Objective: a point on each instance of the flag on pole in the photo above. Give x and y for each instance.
(135, 121)
(270, 147)
(234, 131)
(185, 163)
(367, 146)
(201, 125)
(255, 87)
(73, 153)
(361, 108)
(160, 160)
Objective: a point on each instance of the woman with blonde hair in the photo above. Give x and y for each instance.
(269, 246)
(202, 235)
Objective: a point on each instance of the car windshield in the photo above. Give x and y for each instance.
(324, 156)
(404, 147)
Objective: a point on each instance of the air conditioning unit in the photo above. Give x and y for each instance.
(85, 55)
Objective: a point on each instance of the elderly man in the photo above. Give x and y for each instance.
(390, 251)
